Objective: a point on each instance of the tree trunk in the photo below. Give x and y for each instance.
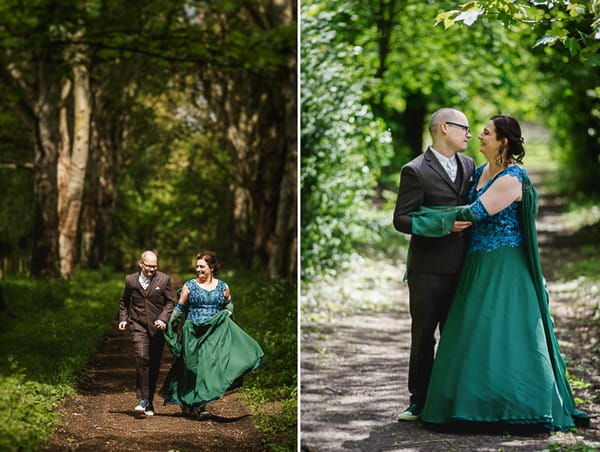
(259, 114)
(414, 117)
(69, 217)
(45, 229)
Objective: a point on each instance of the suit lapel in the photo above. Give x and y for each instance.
(465, 181)
(435, 165)
(153, 285)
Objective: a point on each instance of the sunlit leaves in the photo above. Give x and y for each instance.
(574, 25)
(343, 145)
(470, 16)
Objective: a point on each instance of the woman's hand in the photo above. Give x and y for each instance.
(461, 226)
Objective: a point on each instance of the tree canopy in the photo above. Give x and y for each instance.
(158, 125)
(396, 62)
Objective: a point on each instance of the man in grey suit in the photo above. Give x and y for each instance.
(439, 177)
(146, 305)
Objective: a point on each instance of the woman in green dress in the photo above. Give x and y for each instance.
(498, 360)
(211, 351)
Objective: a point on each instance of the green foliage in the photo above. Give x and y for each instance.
(579, 447)
(49, 331)
(567, 56)
(268, 312)
(27, 411)
(366, 101)
(343, 146)
(574, 25)
(174, 196)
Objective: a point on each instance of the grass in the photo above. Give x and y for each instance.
(50, 329)
(268, 312)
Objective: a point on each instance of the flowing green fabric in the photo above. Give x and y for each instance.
(210, 358)
(529, 213)
(498, 359)
(434, 221)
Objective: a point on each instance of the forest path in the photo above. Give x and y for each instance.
(100, 417)
(354, 365)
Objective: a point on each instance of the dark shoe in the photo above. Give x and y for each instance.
(410, 414)
(142, 404)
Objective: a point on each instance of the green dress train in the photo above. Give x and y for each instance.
(498, 360)
(211, 351)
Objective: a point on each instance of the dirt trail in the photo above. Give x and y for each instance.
(354, 375)
(100, 417)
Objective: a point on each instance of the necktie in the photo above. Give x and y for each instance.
(450, 167)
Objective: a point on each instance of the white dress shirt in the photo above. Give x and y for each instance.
(144, 281)
(449, 164)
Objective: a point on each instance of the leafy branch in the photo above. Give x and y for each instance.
(576, 26)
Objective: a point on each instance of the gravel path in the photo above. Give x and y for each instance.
(354, 369)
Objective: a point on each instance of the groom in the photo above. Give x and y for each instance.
(438, 177)
(146, 305)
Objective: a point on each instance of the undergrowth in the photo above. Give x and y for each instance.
(49, 330)
(268, 312)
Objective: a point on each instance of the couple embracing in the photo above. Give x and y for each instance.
(473, 269)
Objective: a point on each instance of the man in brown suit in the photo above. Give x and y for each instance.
(440, 176)
(146, 305)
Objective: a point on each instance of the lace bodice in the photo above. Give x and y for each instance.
(204, 304)
(504, 228)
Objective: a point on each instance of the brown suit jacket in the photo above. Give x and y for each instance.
(143, 307)
(424, 182)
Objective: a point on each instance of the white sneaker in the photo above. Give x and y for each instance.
(410, 414)
(142, 404)
(149, 411)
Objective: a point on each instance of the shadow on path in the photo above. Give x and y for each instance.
(354, 372)
(100, 416)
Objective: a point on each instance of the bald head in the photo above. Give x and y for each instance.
(445, 115)
(148, 255)
(148, 263)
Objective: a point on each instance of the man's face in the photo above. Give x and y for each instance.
(459, 133)
(148, 264)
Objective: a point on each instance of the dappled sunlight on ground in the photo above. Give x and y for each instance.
(356, 340)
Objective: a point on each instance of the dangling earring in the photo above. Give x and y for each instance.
(500, 158)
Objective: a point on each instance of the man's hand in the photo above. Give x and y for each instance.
(461, 226)
(122, 326)
(160, 325)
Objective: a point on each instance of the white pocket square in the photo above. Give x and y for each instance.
(157, 288)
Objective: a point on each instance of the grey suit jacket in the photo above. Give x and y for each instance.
(424, 182)
(142, 307)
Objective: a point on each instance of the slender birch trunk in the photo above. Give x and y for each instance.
(69, 216)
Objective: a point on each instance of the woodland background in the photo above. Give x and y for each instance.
(125, 126)
(162, 125)
(373, 71)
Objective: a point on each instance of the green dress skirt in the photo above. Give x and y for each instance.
(495, 358)
(210, 358)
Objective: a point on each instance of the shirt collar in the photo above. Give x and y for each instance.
(442, 158)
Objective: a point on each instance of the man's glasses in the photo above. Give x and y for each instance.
(149, 267)
(465, 128)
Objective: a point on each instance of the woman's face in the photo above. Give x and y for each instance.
(202, 269)
(490, 145)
